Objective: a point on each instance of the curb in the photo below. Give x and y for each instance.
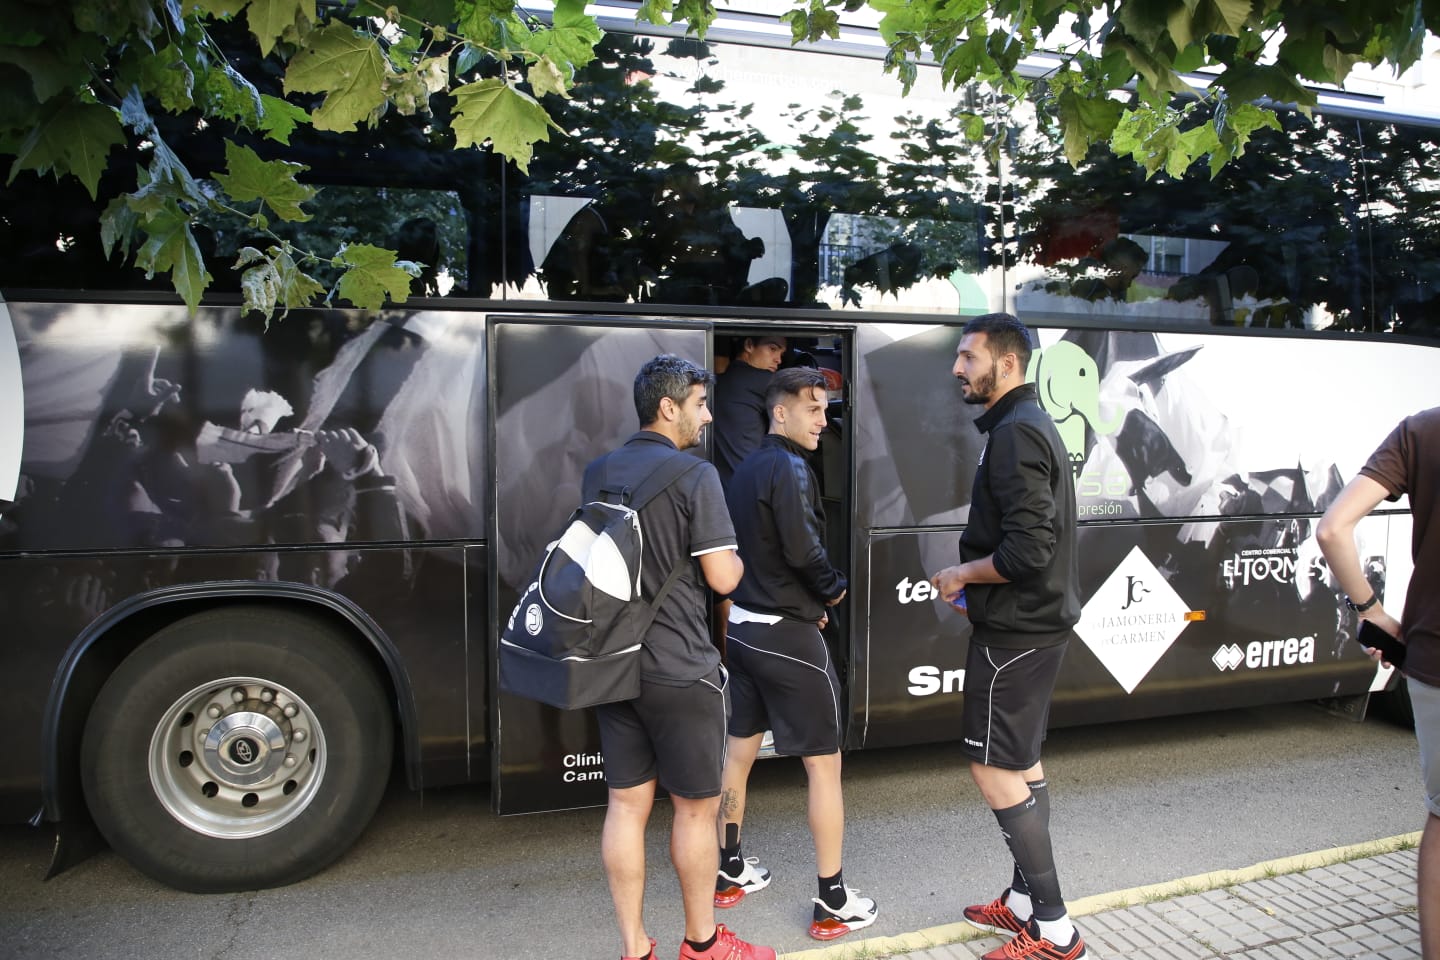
(1199, 883)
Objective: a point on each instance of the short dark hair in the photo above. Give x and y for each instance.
(737, 342)
(791, 382)
(666, 376)
(1003, 334)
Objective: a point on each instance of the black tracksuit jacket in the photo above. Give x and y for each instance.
(774, 503)
(1022, 510)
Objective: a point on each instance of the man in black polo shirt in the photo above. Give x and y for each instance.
(782, 677)
(674, 732)
(1020, 587)
(741, 417)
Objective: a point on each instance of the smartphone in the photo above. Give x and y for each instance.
(1391, 649)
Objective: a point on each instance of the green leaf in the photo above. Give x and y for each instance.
(494, 26)
(570, 41)
(349, 68)
(1156, 74)
(1189, 59)
(965, 61)
(510, 120)
(117, 227)
(1181, 26)
(167, 77)
(1190, 146)
(71, 137)
(1247, 81)
(274, 20)
(221, 92)
(271, 182)
(1085, 121)
(1145, 21)
(51, 70)
(1234, 14)
(372, 276)
(697, 14)
(170, 248)
(655, 11)
(278, 118)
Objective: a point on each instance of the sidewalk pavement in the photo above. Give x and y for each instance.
(1356, 901)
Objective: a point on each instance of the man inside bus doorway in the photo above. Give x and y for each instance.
(1018, 584)
(781, 674)
(673, 734)
(741, 419)
(1407, 463)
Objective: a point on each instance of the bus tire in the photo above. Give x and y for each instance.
(237, 749)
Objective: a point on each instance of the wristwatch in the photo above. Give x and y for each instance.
(1362, 607)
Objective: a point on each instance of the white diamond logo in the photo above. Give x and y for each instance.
(1132, 620)
(1228, 657)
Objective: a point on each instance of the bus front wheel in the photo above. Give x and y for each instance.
(236, 749)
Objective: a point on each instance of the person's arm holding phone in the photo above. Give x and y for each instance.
(1336, 536)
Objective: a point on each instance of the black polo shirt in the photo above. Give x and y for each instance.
(741, 420)
(685, 521)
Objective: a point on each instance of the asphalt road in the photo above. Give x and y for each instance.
(439, 876)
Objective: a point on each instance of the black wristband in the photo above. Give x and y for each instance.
(1362, 607)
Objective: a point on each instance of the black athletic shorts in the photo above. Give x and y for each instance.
(673, 734)
(1007, 703)
(782, 679)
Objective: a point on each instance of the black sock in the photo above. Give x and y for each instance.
(1028, 836)
(701, 946)
(730, 859)
(832, 890)
(1040, 790)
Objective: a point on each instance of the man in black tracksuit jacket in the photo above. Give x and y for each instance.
(1018, 583)
(781, 676)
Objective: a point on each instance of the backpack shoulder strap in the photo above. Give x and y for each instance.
(667, 472)
(661, 478)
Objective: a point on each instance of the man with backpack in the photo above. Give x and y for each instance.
(673, 733)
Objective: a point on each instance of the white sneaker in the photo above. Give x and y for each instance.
(856, 913)
(731, 890)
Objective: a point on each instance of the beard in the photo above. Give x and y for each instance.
(980, 390)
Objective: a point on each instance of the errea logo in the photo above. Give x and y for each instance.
(1263, 654)
(534, 620)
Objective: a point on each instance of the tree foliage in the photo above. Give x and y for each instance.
(88, 85)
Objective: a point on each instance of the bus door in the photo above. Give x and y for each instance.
(562, 394)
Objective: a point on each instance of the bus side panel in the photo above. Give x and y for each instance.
(163, 449)
(563, 394)
(145, 428)
(1167, 626)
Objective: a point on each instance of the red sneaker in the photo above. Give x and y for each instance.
(727, 946)
(995, 916)
(1029, 945)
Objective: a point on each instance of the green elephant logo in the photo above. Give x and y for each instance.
(1068, 382)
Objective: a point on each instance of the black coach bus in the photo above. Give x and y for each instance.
(248, 566)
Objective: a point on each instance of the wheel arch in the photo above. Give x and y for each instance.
(100, 647)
